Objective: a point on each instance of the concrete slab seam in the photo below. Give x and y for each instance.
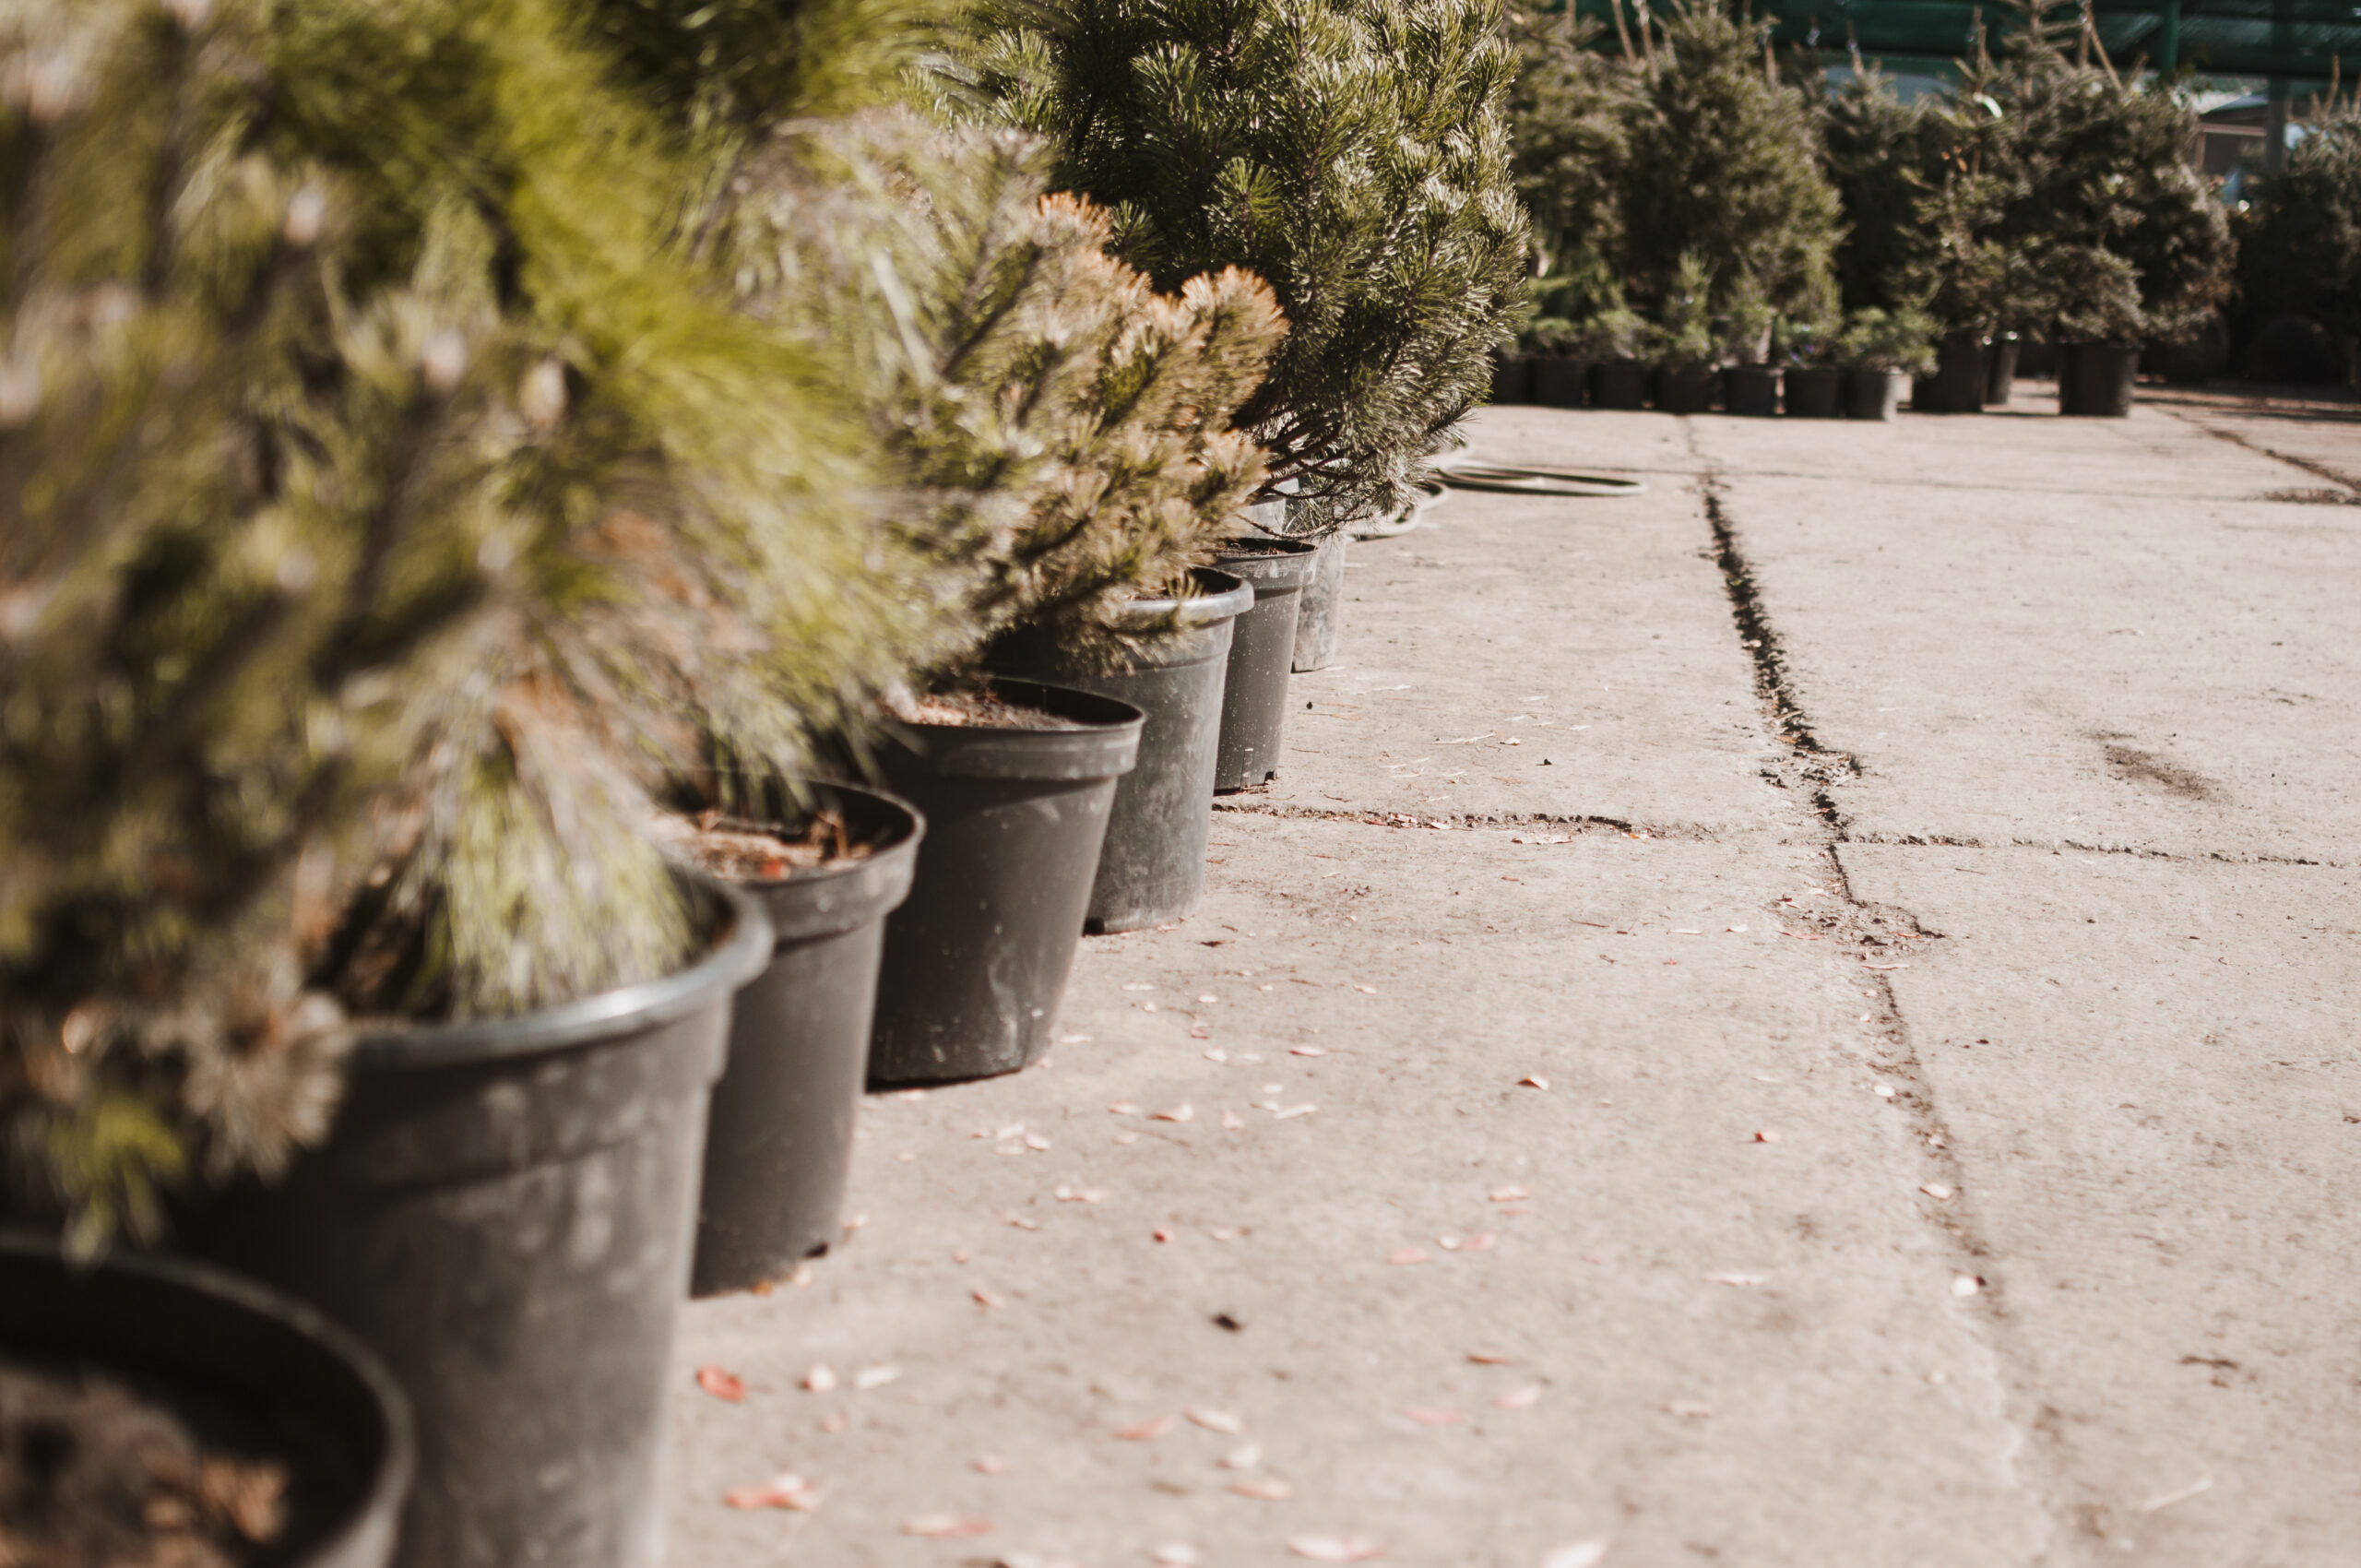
(2351, 485)
(1808, 768)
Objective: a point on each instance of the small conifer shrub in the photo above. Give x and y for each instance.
(2301, 251)
(1352, 153)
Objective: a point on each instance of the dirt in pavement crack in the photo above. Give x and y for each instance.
(1883, 939)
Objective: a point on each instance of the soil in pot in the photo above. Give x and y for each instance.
(1752, 390)
(1560, 382)
(1261, 653)
(1620, 384)
(975, 958)
(93, 1476)
(2001, 369)
(1815, 392)
(1511, 378)
(505, 1211)
(828, 862)
(155, 1413)
(1873, 394)
(2095, 379)
(1957, 385)
(1687, 389)
(1152, 869)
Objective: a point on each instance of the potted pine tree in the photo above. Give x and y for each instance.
(445, 532)
(1814, 386)
(1566, 112)
(1881, 351)
(1622, 342)
(1721, 177)
(1689, 351)
(1354, 154)
(2300, 252)
(1750, 385)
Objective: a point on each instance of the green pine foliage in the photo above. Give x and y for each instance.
(1567, 112)
(1881, 153)
(1352, 153)
(1064, 431)
(1723, 164)
(2068, 200)
(2301, 250)
(396, 499)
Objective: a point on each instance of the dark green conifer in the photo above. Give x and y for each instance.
(1352, 153)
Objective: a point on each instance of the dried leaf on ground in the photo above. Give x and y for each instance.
(1406, 1255)
(1581, 1554)
(1523, 1398)
(1182, 1112)
(1307, 1051)
(1434, 1416)
(1293, 1111)
(1490, 1358)
(1482, 1241)
(1731, 1278)
(787, 1490)
(946, 1527)
(1217, 1420)
(720, 1385)
(1149, 1430)
(1176, 1554)
(1066, 1195)
(874, 1377)
(985, 1297)
(1509, 1194)
(1534, 1080)
(821, 1379)
(1966, 1285)
(1245, 1457)
(1024, 1224)
(1936, 1190)
(1335, 1549)
(1123, 1108)
(1767, 1135)
(1270, 1488)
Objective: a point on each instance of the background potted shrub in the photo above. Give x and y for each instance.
(1353, 154)
(1750, 385)
(1624, 343)
(1566, 112)
(1813, 385)
(1561, 369)
(2300, 251)
(1689, 350)
(1722, 164)
(1880, 350)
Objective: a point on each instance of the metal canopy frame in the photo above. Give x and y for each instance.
(2298, 45)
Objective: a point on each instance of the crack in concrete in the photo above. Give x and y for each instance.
(2317, 469)
(1686, 832)
(2057, 846)
(1805, 764)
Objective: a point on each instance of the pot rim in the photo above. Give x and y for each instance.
(1225, 597)
(733, 958)
(388, 1487)
(909, 838)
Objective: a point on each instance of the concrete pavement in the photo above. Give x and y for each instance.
(1947, 1152)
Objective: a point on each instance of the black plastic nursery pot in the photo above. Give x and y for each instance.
(1619, 384)
(2095, 379)
(503, 1211)
(241, 1369)
(1153, 868)
(1511, 378)
(779, 1144)
(1873, 394)
(1957, 385)
(1560, 382)
(1751, 390)
(1688, 388)
(977, 957)
(2001, 369)
(1320, 622)
(1262, 654)
(1815, 392)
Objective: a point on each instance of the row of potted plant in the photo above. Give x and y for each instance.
(550, 544)
(1674, 171)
